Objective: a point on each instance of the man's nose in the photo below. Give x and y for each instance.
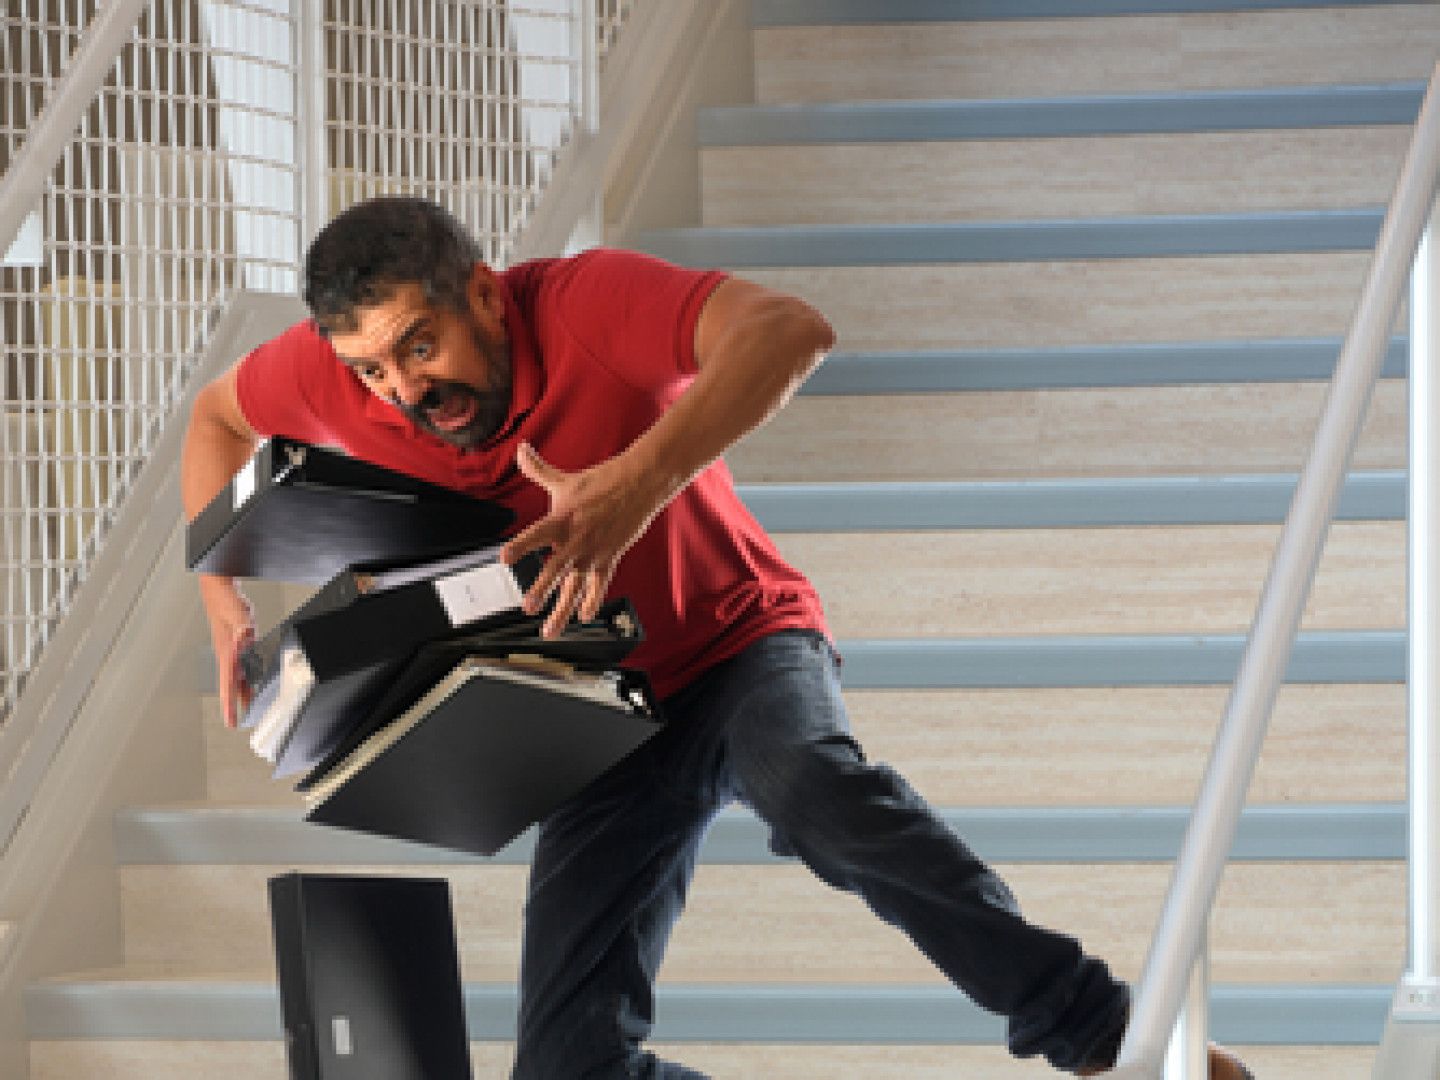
(406, 388)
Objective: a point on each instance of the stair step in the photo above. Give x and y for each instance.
(1050, 178)
(185, 1060)
(1070, 51)
(1033, 582)
(1104, 660)
(206, 835)
(1054, 746)
(867, 12)
(1273, 922)
(1263, 109)
(1095, 660)
(1160, 236)
(1087, 366)
(1066, 302)
(242, 1011)
(1064, 503)
(1027, 435)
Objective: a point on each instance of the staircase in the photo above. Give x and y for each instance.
(1090, 271)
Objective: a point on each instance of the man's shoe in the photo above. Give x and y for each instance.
(1223, 1066)
(1226, 1066)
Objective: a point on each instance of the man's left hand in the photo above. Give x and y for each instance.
(595, 515)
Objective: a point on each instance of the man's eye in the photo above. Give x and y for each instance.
(369, 374)
(421, 350)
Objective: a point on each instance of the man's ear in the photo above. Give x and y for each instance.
(487, 303)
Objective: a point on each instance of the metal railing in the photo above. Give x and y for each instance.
(1179, 940)
(159, 154)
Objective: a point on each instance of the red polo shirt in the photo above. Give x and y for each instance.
(601, 344)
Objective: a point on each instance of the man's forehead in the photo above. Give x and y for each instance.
(385, 325)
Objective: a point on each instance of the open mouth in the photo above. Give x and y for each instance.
(453, 412)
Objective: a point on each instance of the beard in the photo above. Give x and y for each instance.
(486, 408)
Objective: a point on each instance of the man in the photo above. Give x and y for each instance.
(594, 396)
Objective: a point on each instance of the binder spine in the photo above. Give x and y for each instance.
(287, 915)
(209, 526)
(393, 623)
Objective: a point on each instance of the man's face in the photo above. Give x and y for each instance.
(448, 371)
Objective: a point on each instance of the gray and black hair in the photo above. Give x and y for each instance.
(365, 253)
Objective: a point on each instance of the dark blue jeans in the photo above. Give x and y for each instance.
(768, 728)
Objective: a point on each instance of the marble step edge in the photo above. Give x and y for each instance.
(230, 836)
(1322, 657)
(1076, 661)
(916, 506)
(223, 1010)
(1169, 112)
(1068, 367)
(861, 12)
(1045, 240)
(1110, 660)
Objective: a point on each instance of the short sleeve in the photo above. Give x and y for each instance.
(276, 383)
(635, 313)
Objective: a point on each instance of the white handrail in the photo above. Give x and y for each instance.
(1237, 747)
(27, 174)
(1424, 596)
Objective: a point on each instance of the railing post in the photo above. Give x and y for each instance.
(311, 135)
(590, 229)
(1188, 1056)
(1411, 1045)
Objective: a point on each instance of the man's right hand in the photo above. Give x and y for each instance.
(232, 628)
(217, 445)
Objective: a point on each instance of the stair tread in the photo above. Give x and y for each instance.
(240, 1009)
(1136, 237)
(209, 835)
(1180, 111)
(863, 12)
(1266, 45)
(900, 371)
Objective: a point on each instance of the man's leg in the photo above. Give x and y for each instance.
(607, 883)
(861, 828)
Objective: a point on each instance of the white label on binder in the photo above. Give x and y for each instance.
(473, 594)
(244, 484)
(340, 1029)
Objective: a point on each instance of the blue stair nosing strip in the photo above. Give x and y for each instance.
(1059, 504)
(864, 12)
(1319, 657)
(1187, 112)
(1161, 236)
(1298, 1014)
(1088, 366)
(1282, 833)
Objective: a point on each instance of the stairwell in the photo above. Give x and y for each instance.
(1089, 271)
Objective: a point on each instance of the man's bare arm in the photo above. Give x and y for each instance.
(218, 442)
(754, 347)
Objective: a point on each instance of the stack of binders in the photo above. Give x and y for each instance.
(411, 690)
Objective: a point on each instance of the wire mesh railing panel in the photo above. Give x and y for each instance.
(463, 102)
(186, 180)
(180, 185)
